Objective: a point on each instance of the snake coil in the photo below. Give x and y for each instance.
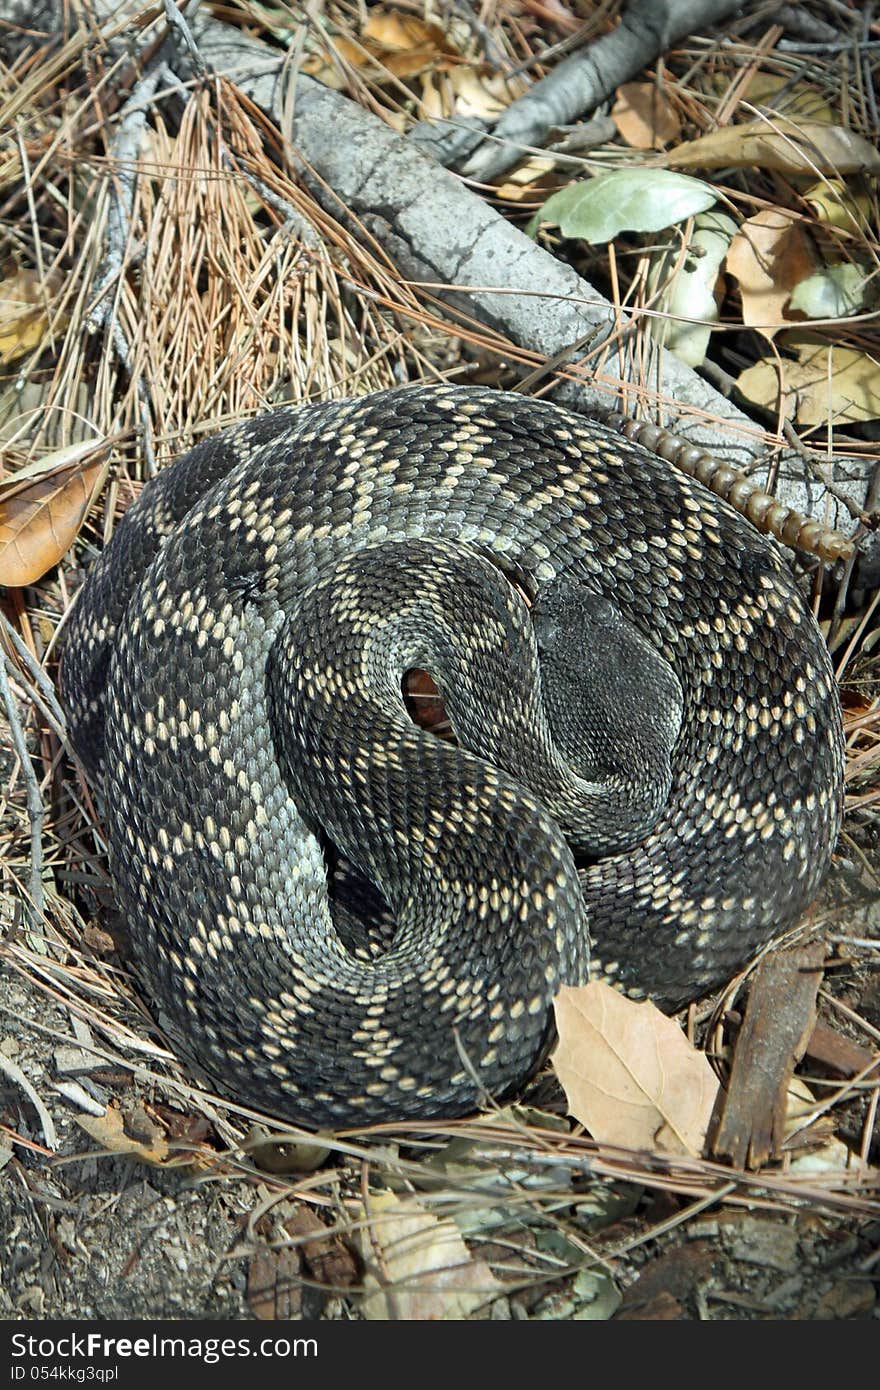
(344, 919)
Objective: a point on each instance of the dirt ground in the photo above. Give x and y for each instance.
(87, 1235)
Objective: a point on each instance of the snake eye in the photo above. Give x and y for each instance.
(600, 609)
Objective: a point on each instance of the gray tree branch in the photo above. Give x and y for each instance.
(575, 87)
(439, 232)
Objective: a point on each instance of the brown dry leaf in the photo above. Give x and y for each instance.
(825, 383)
(417, 1267)
(25, 302)
(40, 521)
(629, 1073)
(109, 1131)
(406, 44)
(324, 69)
(403, 44)
(805, 147)
(529, 181)
(465, 92)
(769, 255)
(644, 116)
(325, 1254)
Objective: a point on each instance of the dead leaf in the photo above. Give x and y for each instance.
(109, 1130)
(327, 1258)
(98, 940)
(776, 93)
(417, 1266)
(769, 256)
(528, 181)
(803, 147)
(644, 116)
(25, 308)
(403, 45)
(825, 383)
(464, 91)
(837, 205)
(40, 521)
(325, 67)
(629, 1073)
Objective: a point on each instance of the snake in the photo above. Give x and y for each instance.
(342, 919)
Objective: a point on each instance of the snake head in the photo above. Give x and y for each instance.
(606, 687)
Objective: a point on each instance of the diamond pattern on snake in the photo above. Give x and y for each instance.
(343, 919)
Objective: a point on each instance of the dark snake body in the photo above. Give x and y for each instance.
(177, 675)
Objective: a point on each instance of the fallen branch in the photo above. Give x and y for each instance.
(780, 1018)
(577, 85)
(446, 239)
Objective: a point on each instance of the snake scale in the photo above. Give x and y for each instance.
(344, 919)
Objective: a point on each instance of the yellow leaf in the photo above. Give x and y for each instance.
(837, 205)
(805, 147)
(322, 67)
(40, 520)
(644, 116)
(825, 384)
(25, 300)
(417, 1267)
(769, 255)
(529, 180)
(629, 1073)
(465, 92)
(403, 44)
(777, 94)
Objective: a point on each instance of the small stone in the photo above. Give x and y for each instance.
(69, 1061)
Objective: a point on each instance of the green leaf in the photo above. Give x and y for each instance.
(833, 293)
(633, 200)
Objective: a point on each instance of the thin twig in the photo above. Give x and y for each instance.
(36, 671)
(35, 808)
(182, 31)
(124, 153)
(820, 471)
